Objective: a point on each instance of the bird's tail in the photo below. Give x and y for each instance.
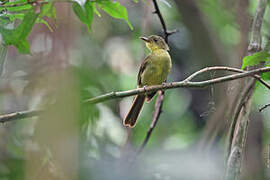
(131, 117)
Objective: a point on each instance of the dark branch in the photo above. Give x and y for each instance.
(264, 107)
(164, 27)
(158, 111)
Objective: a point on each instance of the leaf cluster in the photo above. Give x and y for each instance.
(33, 12)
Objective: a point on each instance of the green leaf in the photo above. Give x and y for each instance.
(48, 10)
(116, 10)
(22, 5)
(266, 75)
(17, 36)
(12, 17)
(84, 13)
(42, 21)
(255, 59)
(19, 8)
(96, 11)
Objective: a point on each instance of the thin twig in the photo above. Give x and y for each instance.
(264, 107)
(19, 115)
(164, 27)
(158, 105)
(181, 84)
(218, 68)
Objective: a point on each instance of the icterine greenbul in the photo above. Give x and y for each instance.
(153, 71)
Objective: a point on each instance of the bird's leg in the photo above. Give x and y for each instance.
(163, 84)
(144, 88)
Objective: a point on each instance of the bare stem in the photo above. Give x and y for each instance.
(158, 107)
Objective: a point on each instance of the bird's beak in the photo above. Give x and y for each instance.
(145, 39)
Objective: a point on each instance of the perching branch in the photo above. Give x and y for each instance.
(181, 84)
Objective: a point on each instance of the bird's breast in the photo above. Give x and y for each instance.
(157, 70)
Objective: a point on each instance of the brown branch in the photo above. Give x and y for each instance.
(172, 85)
(158, 105)
(181, 84)
(237, 110)
(19, 115)
(226, 69)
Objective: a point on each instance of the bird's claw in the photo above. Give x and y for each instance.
(144, 88)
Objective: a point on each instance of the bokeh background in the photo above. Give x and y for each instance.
(74, 140)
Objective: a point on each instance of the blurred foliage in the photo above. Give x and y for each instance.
(28, 13)
(255, 59)
(17, 37)
(101, 55)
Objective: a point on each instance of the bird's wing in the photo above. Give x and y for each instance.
(141, 70)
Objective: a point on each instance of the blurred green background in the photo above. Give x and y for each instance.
(72, 140)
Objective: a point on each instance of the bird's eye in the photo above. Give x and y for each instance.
(155, 39)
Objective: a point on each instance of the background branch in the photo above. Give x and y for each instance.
(264, 107)
(164, 27)
(239, 125)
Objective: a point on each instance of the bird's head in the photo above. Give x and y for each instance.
(155, 42)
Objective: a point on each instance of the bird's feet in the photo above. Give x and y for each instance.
(144, 88)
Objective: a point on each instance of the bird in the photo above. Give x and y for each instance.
(154, 70)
